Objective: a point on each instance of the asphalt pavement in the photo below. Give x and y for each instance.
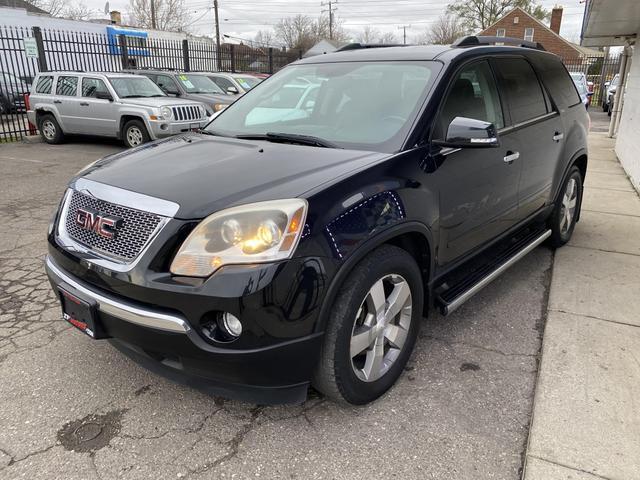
(73, 408)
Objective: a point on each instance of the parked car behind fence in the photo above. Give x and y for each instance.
(129, 107)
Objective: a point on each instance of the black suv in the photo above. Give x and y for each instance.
(301, 237)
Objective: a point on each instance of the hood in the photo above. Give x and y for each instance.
(156, 102)
(211, 98)
(205, 174)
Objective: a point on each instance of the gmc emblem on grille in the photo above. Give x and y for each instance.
(104, 225)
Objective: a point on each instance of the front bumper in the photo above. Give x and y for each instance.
(161, 129)
(165, 342)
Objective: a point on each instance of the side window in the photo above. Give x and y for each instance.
(167, 84)
(44, 84)
(67, 86)
(473, 94)
(557, 79)
(93, 86)
(223, 83)
(523, 91)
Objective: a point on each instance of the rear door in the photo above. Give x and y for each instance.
(478, 189)
(67, 103)
(98, 114)
(536, 132)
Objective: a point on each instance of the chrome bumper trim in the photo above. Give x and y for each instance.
(111, 306)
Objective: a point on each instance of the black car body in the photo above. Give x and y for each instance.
(453, 196)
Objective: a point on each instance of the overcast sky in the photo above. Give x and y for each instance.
(243, 18)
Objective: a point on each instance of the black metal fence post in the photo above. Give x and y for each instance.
(42, 59)
(299, 54)
(270, 59)
(232, 50)
(124, 51)
(185, 55)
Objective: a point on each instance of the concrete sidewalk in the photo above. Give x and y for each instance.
(586, 418)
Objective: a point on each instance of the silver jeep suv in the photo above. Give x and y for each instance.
(129, 107)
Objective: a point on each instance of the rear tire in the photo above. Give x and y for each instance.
(563, 218)
(134, 133)
(50, 130)
(364, 352)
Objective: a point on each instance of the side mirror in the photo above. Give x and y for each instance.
(469, 133)
(104, 96)
(232, 90)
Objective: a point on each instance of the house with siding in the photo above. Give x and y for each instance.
(517, 23)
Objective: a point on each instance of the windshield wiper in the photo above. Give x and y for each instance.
(291, 138)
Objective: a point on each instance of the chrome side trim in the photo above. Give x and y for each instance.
(457, 302)
(111, 306)
(126, 198)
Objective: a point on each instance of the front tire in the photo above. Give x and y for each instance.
(565, 213)
(134, 133)
(372, 327)
(50, 130)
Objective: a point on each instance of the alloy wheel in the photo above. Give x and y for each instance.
(48, 129)
(569, 202)
(381, 327)
(134, 136)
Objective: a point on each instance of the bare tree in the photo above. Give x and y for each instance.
(54, 8)
(302, 32)
(479, 14)
(368, 35)
(77, 12)
(264, 38)
(168, 15)
(446, 30)
(388, 37)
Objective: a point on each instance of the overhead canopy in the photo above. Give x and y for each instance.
(610, 22)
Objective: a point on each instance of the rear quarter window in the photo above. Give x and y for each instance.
(44, 84)
(523, 90)
(556, 78)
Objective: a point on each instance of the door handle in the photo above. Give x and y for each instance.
(511, 156)
(558, 136)
(84, 104)
(57, 101)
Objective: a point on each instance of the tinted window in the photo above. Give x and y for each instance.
(167, 84)
(555, 76)
(92, 86)
(522, 89)
(473, 94)
(223, 83)
(44, 84)
(67, 86)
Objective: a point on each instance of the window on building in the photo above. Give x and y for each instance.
(528, 34)
(501, 33)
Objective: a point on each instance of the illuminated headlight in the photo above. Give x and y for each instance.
(255, 233)
(165, 113)
(218, 107)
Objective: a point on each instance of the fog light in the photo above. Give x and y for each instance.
(230, 325)
(164, 126)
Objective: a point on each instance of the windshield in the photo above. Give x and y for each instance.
(132, 87)
(198, 84)
(248, 82)
(359, 105)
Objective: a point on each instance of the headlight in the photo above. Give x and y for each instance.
(254, 233)
(217, 107)
(165, 113)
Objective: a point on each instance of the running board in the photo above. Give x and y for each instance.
(451, 298)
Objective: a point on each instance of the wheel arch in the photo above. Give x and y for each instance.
(580, 159)
(413, 237)
(128, 117)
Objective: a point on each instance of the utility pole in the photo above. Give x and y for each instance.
(331, 7)
(404, 33)
(215, 10)
(153, 14)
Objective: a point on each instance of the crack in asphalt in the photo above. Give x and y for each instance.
(479, 347)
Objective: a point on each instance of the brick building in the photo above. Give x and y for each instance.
(519, 24)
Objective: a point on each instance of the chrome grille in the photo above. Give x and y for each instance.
(187, 112)
(137, 229)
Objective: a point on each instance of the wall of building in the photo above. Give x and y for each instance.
(550, 41)
(628, 138)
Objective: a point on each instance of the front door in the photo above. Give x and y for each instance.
(98, 114)
(478, 188)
